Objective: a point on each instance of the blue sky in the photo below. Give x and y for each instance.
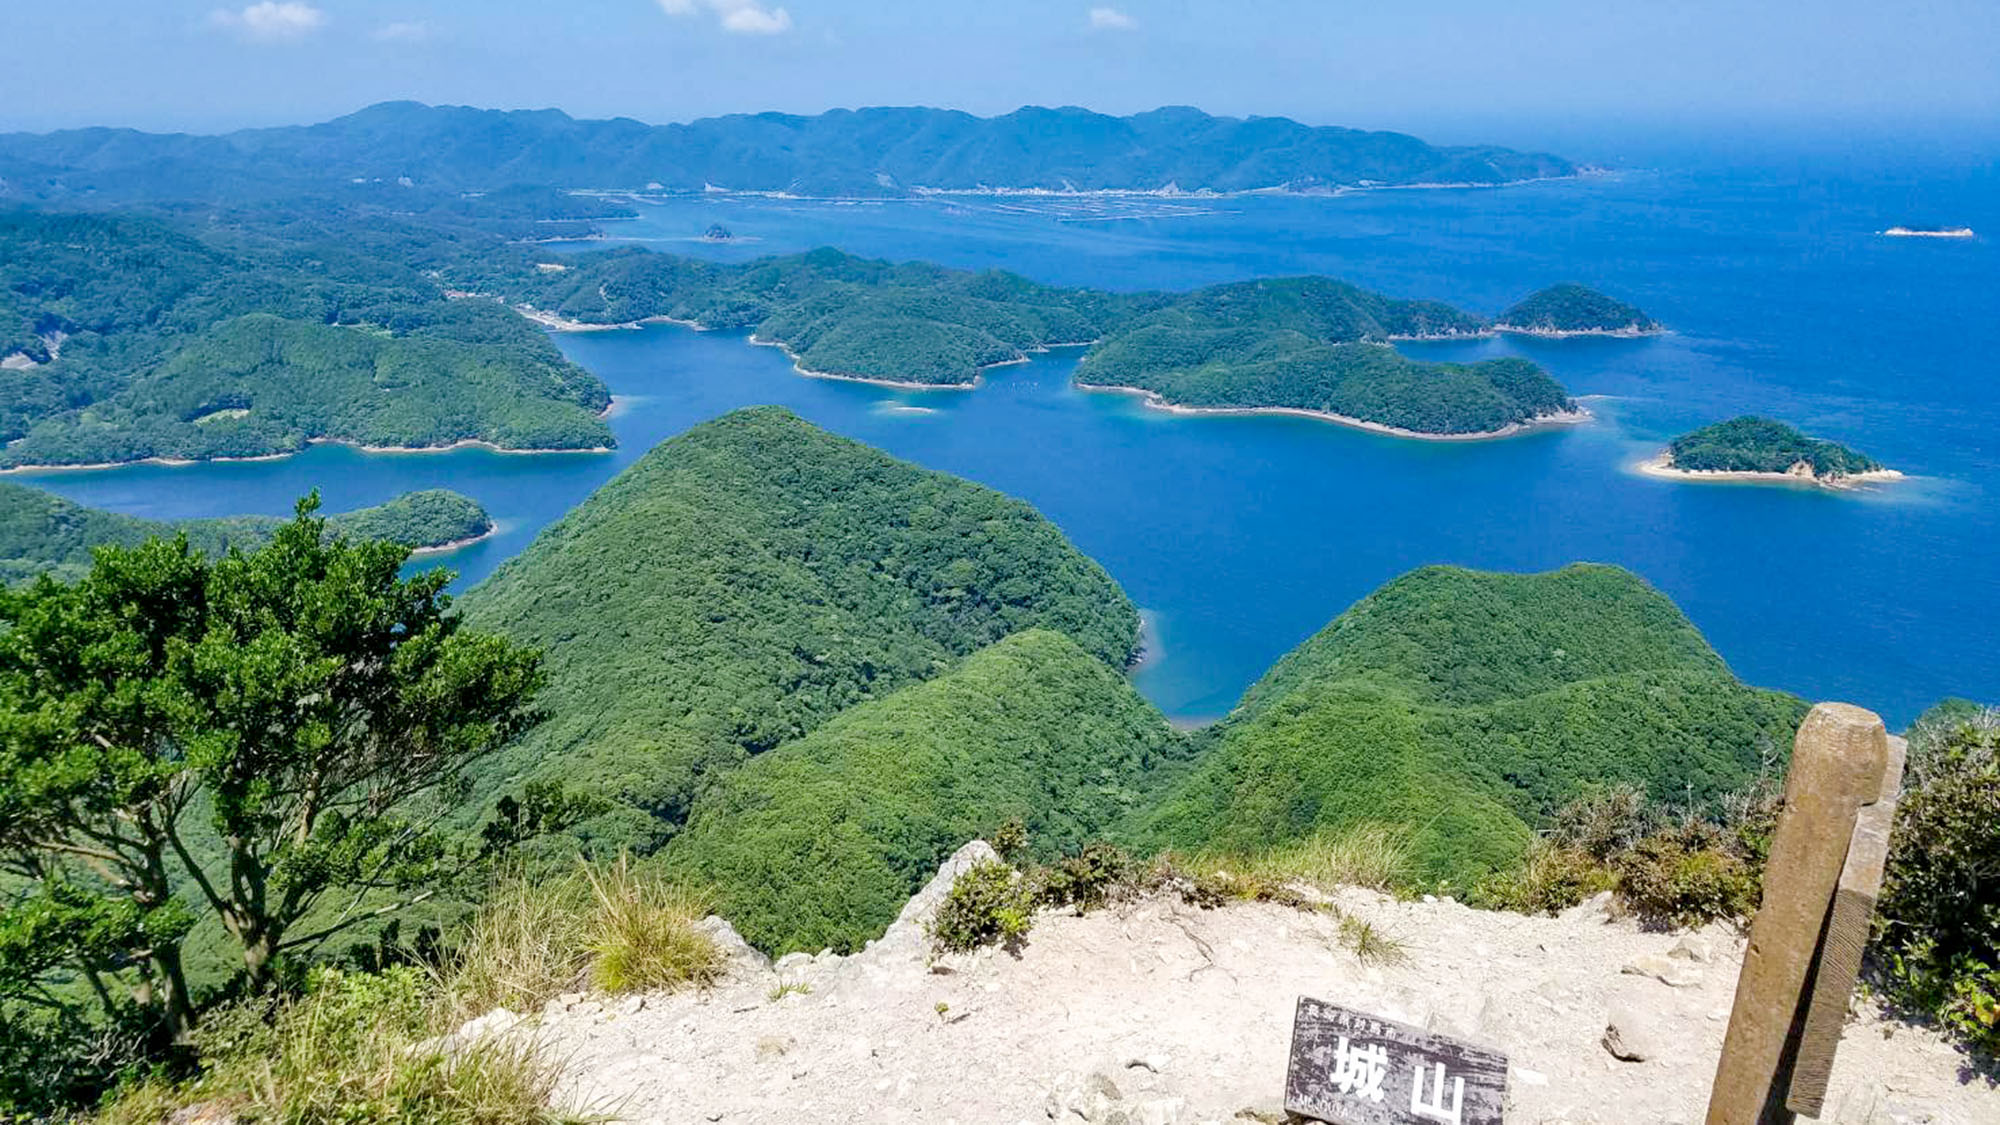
(1513, 71)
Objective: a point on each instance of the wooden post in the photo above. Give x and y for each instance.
(1839, 765)
(1839, 964)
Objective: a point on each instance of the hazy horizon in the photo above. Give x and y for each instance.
(1601, 75)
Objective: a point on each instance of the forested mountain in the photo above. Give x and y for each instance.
(745, 581)
(878, 151)
(1760, 445)
(42, 533)
(819, 842)
(1571, 309)
(1461, 707)
(1307, 343)
(125, 337)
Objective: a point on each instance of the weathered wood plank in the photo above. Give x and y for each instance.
(1837, 767)
(1351, 1068)
(1839, 963)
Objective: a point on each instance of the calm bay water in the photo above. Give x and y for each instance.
(1242, 535)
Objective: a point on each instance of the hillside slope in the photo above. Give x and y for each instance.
(819, 842)
(745, 581)
(1462, 706)
(128, 337)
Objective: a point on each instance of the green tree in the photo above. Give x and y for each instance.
(263, 735)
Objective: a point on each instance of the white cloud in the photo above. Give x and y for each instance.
(743, 17)
(1111, 19)
(403, 31)
(269, 22)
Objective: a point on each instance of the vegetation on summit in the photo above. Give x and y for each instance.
(820, 842)
(1467, 707)
(1306, 343)
(1571, 309)
(136, 339)
(42, 533)
(1760, 445)
(744, 582)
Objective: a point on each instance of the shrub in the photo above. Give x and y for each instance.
(1687, 876)
(1937, 930)
(1604, 822)
(1086, 880)
(1010, 839)
(1552, 879)
(987, 903)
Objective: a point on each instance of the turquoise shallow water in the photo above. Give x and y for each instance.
(1240, 536)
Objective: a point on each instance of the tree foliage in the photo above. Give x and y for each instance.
(147, 341)
(1570, 307)
(252, 735)
(1760, 445)
(744, 582)
(819, 842)
(1469, 706)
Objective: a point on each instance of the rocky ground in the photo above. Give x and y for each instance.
(1159, 1012)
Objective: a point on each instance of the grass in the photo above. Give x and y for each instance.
(362, 1048)
(356, 1048)
(609, 926)
(788, 988)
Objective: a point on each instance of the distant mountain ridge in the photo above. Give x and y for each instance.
(876, 151)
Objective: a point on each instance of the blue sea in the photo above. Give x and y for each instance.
(1240, 536)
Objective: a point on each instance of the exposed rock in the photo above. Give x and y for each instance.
(1665, 969)
(735, 950)
(905, 936)
(1092, 1097)
(1693, 947)
(1631, 1034)
(884, 1036)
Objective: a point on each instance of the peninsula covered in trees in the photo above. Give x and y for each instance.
(1570, 309)
(1309, 344)
(42, 533)
(1751, 448)
(131, 338)
(886, 151)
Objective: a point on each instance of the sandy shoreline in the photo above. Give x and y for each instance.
(1626, 333)
(184, 462)
(897, 384)
(1661, 466)
(1153, 401)
(492, 529)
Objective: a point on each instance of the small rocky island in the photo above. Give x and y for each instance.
(1928, 232)
(1570, 309)
(1759, 449)
(716, 232)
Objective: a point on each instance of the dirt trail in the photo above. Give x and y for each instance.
(1158, 1012)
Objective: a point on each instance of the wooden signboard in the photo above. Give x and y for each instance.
(1351, 1068)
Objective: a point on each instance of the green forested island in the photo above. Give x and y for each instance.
(42, 533)
(1763, 447)
(803, 672)
(884, 151)
(1464, 707)
(128, 338)
(1570, 309)
(744, 582)
(1309, 343)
